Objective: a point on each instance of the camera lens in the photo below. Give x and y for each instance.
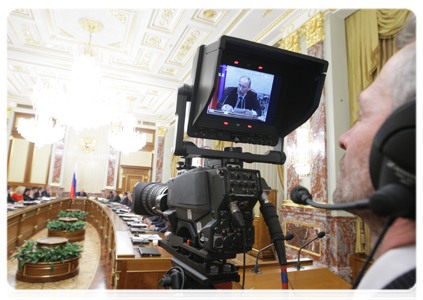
(147, 197)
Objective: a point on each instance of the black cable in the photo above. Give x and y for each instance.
(369, 258)
(274, 254)
(243, 250)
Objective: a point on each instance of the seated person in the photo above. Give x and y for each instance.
(18, 195)
(116, 197)
(46, 192)
(159, 227)
(28, 194)
(240, 97)
(110, 197)
(35, 193)
(9, 199)
(125, 198)
(40, 192)
(81, 193)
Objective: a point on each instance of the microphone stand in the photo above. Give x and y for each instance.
(256, 269)
(319, 236)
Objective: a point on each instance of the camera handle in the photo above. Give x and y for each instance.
(188, 149)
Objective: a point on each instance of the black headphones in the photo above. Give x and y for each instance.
(393, 164)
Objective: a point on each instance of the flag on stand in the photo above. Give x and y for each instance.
(73, 187)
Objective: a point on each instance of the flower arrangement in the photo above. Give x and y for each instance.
(30, 252)
(56, 225)
(72, 214)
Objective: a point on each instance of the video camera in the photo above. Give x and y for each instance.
(209, 209)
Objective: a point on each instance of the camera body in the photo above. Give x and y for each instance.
(199, 207)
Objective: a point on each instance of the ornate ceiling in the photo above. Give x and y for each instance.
(144, 54)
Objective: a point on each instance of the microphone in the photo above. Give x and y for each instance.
(300, 195)
(319, 236)
(392, 200)
(256, 270)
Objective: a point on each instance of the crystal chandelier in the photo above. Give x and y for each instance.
(41, 129)
(87, 103)
(124, 137)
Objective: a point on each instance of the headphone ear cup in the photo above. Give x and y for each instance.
(394, 148)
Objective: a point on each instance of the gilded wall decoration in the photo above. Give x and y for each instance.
(209, 14)
(187, 45)
(161, 131)
(87, 144)
(9, 41)
(273, 25)
(166, 16)
(209, 17)
(291, 42)
(23, 13)
(9, 112)
(64, 33)
(117, 45)
(32, 40)
(121, 17)
(266, 12)
(313, 30)
(290, 24)
(302, 234)
(153, 40)
(165, 19)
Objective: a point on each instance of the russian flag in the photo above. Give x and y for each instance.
(73, 187)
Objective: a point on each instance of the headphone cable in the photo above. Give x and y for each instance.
(388, 223)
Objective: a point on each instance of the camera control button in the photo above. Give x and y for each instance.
(218, 242)
(228, 242)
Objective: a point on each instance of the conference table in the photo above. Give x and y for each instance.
(309, 278)
(131, 271)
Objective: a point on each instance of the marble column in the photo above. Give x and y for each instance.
(159, 163)
(334, 249)
(57, 161)
(318, 147)
(111, 166)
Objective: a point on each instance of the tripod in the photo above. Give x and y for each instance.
(193, 269)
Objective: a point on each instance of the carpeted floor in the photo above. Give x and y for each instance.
(87, 265)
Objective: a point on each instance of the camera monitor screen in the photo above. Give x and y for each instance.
(245, 94)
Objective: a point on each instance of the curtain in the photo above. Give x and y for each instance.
(370, 43)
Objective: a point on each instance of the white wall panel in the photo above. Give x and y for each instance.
(18, 158)
(40, 164)
(91, 166)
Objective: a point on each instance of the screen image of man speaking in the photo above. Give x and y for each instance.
(241, 97)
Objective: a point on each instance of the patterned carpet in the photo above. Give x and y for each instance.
(88, 264)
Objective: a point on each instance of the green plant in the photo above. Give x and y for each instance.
(57, 225)
(72, 214)
(29, 252)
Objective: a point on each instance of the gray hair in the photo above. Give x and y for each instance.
(406, 78)
(407, 34)
(248, 79)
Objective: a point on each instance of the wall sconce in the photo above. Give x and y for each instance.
(302, 158)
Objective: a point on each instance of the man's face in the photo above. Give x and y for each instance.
(48, 188)
(82, 190)
(114, 193)
(354, 181)
(243, 86)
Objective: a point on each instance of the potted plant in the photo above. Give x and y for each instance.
(73, 214)
(73, 231)
(47, 264)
